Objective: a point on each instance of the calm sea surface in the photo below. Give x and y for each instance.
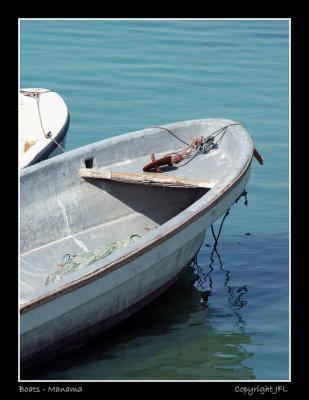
(121, 76)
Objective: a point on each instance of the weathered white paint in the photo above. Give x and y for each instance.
(55, 119)
(98, 212)
(65, 218)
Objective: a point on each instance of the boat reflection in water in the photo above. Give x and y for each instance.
(204, 284)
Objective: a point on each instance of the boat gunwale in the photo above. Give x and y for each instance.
(113, 265)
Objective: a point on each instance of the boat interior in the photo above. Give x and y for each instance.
(63, 213)
(129, 209)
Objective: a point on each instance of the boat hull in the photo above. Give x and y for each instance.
(104, 311)
(61, 212)
(68, 320)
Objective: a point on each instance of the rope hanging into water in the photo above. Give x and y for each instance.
(234, 300)
(36, 95)
(216, 237)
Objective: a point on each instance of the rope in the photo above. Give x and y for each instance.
(172, 133)
(201, 283)
(245, 195)
(216, 238)
(203, 277)
(194, 155)
(205, 144)
(234, 300)
(47, 135)
(224, 128)
(234, 294)
(35, 93)
(212, 135)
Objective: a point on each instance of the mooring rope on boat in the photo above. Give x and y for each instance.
(36, 95)
(245, 195)
(172, 133)
(201, 145)
(216, 237)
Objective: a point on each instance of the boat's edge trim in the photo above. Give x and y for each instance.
(136, 253)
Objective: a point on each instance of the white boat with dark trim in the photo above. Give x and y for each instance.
(100, 237)
(43, 125)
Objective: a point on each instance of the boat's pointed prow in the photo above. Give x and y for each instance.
(43, 125)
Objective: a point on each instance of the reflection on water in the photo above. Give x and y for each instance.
(204, 283)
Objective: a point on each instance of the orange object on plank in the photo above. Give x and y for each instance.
(29, 144)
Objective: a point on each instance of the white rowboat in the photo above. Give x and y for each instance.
(98, 194)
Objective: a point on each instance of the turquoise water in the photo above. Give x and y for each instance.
(121, 76)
